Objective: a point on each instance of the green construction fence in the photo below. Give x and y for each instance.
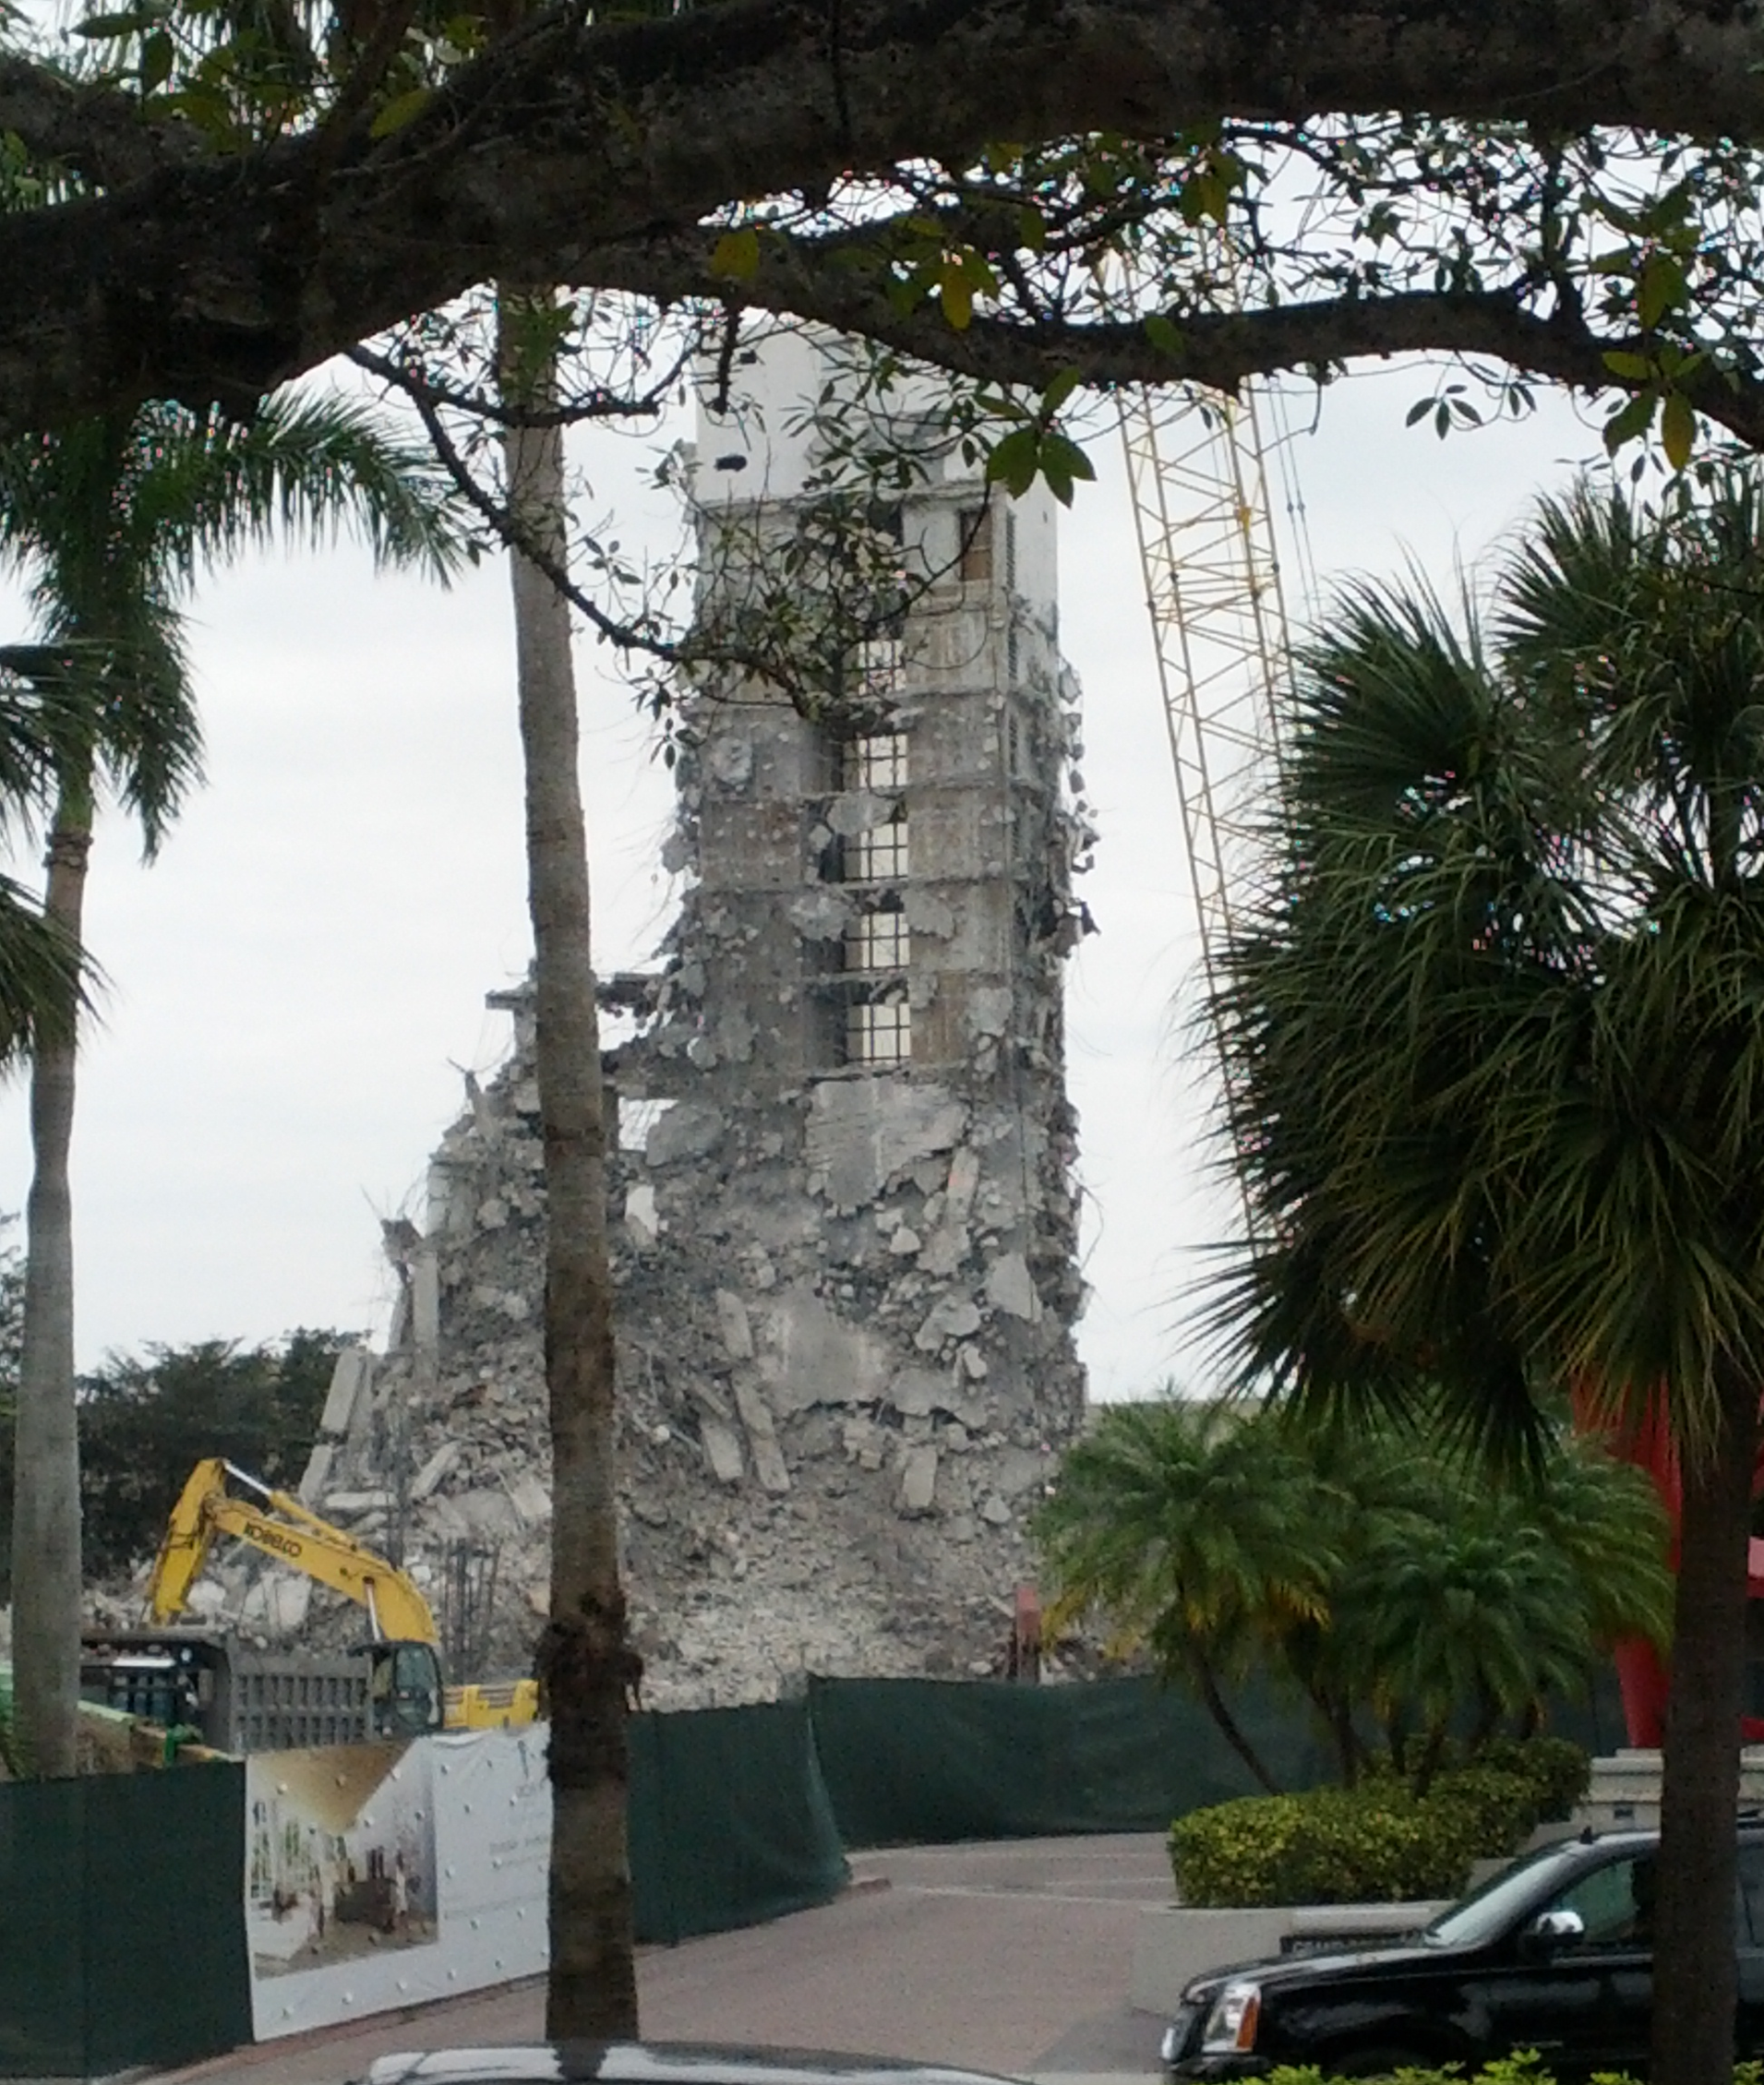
(122, 1921)
(730, 1821)
(923, 1762)
(927, 1762)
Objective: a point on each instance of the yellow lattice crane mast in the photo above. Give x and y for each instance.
(1199, 465)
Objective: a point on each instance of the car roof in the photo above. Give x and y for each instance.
(656, 2063)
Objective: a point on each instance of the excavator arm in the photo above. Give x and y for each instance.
(279, 1524)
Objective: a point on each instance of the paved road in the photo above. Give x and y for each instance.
(1012, 1957)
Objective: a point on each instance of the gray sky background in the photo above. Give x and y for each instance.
(295, 985)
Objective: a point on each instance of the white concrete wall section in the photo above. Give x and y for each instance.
(1034, 521)
(767, 430)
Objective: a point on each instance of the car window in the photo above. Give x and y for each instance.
(1614, 1903)
(1491, 1909)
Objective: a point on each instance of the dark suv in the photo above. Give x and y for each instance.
(1554, 1954)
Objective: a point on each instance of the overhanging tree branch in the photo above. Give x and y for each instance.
(220, 279)
(1217, 349)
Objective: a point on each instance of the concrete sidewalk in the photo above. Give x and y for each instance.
(1011, 1958)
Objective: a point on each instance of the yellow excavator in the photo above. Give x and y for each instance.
(219, 1499)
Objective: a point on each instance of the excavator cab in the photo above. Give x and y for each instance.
(407, 1695)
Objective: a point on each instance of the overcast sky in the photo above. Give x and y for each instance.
(296, 985)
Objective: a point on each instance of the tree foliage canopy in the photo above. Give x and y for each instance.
(219, 198)
(1495, 1019)
(1392, 1585)
(145, 1421)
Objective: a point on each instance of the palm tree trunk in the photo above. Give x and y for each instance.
(1231, 1729)
(1433, 1753)
(584, 1659)
(1695, 1976)
(45, 1512)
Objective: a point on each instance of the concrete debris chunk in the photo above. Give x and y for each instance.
(732, 1321)
(730, 759)
(688, 1130)
(822, 915)
(348, 1377)
(944, 1251)
(762, 1438)
(964, 1177)
(722, 1450)
(530, 1499)
(918, 1480)
(810, 1355)
(427, 1480)
(862, 1132)
(641, 1220)
(317, 1473)
(859, 811)
(988, 1010)
(954, 1317)
(916, 1392)
(1009, 1288)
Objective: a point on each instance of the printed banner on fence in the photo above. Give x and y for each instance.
(382, 1876)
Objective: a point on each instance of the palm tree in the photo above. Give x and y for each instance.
(112, 520)
(1471, 1608)
(1200, 1533)
(585, 1661)
(1495, 1033)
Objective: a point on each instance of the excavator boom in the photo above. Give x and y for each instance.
(280, 1525)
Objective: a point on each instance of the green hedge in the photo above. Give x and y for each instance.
(1556, 1768)
(1525, 2068)
(1377, 1843)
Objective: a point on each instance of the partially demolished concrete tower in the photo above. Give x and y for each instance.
(845, 1221)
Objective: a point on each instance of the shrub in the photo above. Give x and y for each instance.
(1557, 1769)
(1498, 1808)
(1523, 2067)
(1377, 1843)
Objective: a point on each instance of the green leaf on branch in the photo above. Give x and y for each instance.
(1162, 334)
(1637, 368)
(956, 295)
(737, 254)
(1062, 461)
(1031, 452)
(157, 58)
(1677, 429)
(1015, 461)
(1631, 422)
(1661, 289)
(128, 23)
(401, 110)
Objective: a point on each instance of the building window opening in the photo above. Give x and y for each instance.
(877, 760)
(877, 854)
(878, 1032)
(975, 535)
(880, 663)
(877, 940)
